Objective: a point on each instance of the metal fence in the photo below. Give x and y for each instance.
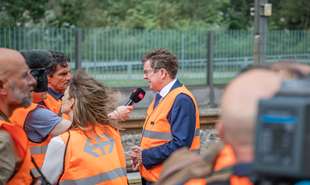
(113, 55)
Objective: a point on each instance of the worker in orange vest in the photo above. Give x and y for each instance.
(59, 76)
(16, 84)
(91, 151)
(172, 119)
(40, 123)
(226, 157)
(238, 112)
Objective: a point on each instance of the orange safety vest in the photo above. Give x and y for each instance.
(94, 158)
(157, 131)
(37, 150)
(18, 135)
(52, 103)
(225, 158)
(55, 105)
(236, 180)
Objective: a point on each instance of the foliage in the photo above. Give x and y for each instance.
(151, 14)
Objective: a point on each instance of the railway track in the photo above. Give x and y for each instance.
(136, 124)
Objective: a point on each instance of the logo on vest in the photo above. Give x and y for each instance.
(99, 148)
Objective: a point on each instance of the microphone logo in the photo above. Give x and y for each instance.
(136, 96)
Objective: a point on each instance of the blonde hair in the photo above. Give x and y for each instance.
(92, 102)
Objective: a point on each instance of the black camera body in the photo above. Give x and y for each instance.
(282, 143)
(40, 75)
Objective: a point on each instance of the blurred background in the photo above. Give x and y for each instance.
(213, 40)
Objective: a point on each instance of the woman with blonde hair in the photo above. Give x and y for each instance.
(90, 152)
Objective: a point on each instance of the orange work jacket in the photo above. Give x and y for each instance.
(236, 180)
(157, 131)
(37, 150)
(94, 158)
(18, 135)
(55, 105)
(225, 158)
(52, 103)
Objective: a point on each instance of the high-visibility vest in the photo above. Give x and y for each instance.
(37, 150)
(94, 158)
(52, 104)
(18, 135)
(237, 180)
(157, 130)
(55, 105)
(225, 158)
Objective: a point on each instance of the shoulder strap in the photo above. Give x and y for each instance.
(42, 177)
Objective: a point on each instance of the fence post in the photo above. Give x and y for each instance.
(209, 70)
(260, 30)
(78, 64)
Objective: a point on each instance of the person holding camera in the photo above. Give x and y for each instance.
(16, 84)
(237, 125)
(38, 121)
(90, 152)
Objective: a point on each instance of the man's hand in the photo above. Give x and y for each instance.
(136, 157)
(121, 113)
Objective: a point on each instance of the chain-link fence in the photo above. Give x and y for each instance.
(113, 55)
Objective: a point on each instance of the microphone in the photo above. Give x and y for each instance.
(136, 96)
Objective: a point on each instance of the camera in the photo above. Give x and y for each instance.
(41, 77)
(282, 141)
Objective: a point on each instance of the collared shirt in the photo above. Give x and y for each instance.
(54, 93)
(182, 119)
(165, 90)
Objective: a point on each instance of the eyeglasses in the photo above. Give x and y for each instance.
(149, 71)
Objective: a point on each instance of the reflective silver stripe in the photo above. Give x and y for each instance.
(38, 149)
(116, 173)
(197, 132)
(157, 135)
(163, 135)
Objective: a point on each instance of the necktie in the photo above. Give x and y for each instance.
(157, 99)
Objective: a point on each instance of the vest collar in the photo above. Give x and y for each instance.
(54, 93)
(170, 86)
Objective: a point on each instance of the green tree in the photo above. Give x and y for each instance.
(22, 12)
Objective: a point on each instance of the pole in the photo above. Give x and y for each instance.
(209, 70)
(260, 30)
(77, 49)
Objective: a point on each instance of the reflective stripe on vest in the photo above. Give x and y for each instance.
(163, 135)
(116, 173)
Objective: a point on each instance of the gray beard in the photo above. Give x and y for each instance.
(26, 102)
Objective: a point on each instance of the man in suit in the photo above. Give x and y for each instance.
(172, 119)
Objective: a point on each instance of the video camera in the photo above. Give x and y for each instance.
(282, 143)
(41, 77)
